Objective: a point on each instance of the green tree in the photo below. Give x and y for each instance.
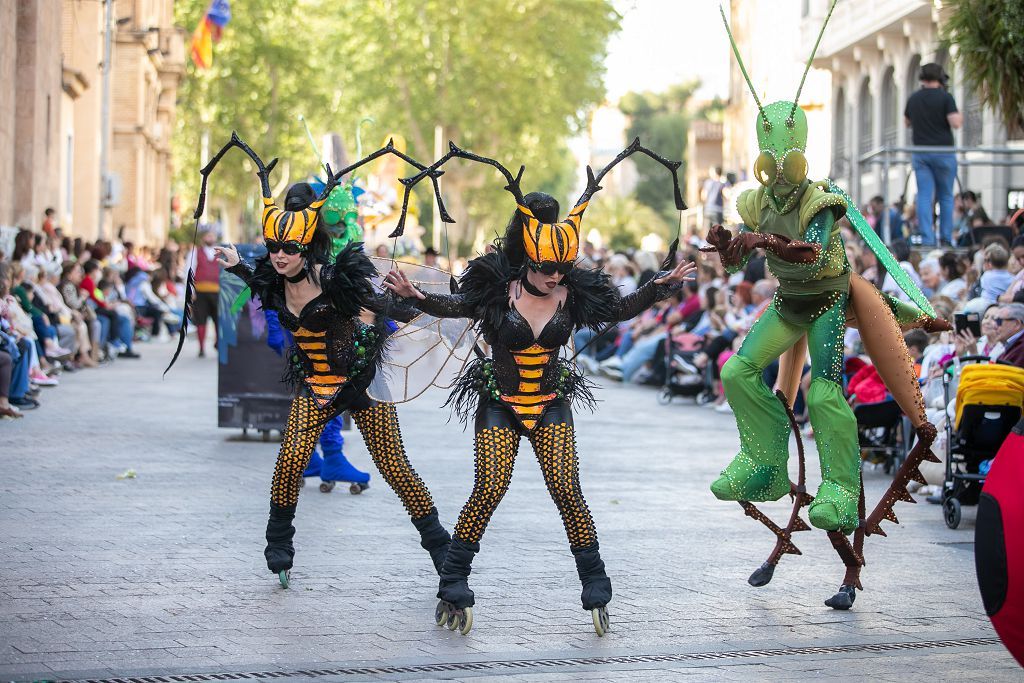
(624, 221)
(661, 121)
(989, 40)
(509, 80)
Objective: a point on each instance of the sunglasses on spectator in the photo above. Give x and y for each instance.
(549, 268)
(290, 248)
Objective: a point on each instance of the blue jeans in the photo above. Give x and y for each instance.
(600, 349)
(19, 372)
(935, 173)
(641, 353)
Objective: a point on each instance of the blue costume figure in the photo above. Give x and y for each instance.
(332, 466)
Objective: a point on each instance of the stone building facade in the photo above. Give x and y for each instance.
(51, 94)
(30, 100)
(874, 50)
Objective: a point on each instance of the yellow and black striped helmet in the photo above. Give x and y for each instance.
(280, 225)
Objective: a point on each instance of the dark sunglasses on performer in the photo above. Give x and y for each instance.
(549, 268)
(290, 248)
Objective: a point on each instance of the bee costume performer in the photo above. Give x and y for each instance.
(796, 221)
(335, 355)
(525, 388)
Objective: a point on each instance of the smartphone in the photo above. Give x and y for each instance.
(967, 321)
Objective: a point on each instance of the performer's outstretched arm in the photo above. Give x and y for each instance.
(437, 305)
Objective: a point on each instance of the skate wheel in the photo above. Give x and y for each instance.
(326, 486)
(441, 614)
(601, 621)
(356, 488)
(465, 620)
(284, 576)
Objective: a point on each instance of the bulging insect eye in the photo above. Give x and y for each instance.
(765, 169)
(794, 167)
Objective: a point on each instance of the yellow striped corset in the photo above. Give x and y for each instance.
(330, 351)
(526, 369)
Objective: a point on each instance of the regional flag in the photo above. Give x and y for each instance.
(208, 32)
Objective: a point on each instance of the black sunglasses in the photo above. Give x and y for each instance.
(1000, 321)
(290, 248)
(551, 267)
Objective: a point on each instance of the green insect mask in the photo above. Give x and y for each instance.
(340, 215)
(781, 126)
(782, 139)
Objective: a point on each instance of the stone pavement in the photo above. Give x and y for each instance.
(164, 573)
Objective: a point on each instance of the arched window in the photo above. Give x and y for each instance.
(865, 118)
(890, 109)
(840, 142)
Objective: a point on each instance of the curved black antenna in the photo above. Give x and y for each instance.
(455, 152)
(594, 181)
(263, 173)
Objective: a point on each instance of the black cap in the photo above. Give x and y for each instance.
(933, 72)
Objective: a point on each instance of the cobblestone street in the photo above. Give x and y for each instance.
(164, 573)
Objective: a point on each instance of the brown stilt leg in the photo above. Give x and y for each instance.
(798, 492)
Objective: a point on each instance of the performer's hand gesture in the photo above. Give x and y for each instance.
(719, 238)
(683, 271)
(398, 283)
(227, 256)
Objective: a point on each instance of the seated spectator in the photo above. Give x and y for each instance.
(70, 279)
(1009, 323)
(1017, 285)
(931, 277)
(995, 278)
(139, 292)
(45, 332)
(901, 250)
(117, 328)
(955, 286)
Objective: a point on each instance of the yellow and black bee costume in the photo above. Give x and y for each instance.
(525, 388)
(333, 360)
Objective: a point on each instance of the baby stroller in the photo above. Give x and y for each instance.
(882, 433)
(989, 401)
(682, 377)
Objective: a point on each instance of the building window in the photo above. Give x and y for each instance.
(866, 118)
(840, 144)
(890, 109)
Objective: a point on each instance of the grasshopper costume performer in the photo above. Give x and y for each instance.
(795, 221)
(527, 298)
(335, 354)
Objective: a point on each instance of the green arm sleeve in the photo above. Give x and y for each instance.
(819, 232)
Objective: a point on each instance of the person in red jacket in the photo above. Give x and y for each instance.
(116, 329)
(207, 272)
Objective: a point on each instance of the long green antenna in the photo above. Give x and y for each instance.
(743, 69)
(814, 51)
(309, 135)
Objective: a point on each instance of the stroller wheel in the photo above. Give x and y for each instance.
(664, 396)
(704, 398)
(951, 512)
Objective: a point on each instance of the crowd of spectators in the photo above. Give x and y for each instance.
(696, 331)
(68, 305)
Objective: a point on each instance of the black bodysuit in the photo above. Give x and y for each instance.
(526, 388)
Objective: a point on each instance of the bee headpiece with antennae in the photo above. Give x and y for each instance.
(552, 242)
(781, 126)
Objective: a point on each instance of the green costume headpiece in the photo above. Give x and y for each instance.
(782, 126)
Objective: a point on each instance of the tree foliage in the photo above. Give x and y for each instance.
(989, 40)
(624, 221)
(661, 120)
(504, 79)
